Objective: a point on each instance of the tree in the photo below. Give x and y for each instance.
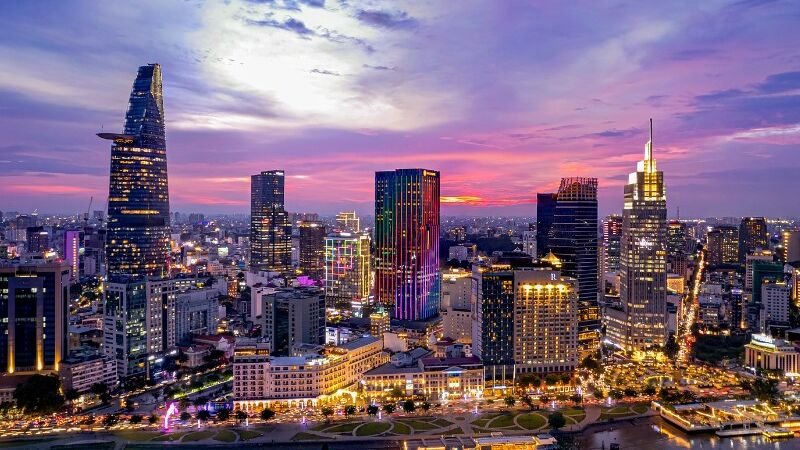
(630, 392)
(425, 406)
(185, 416)
(764, 389)
(105, 398)
(396, 392)
(326, 412)
(203, 415)
(372, 410)
(388, 408)
(671, 348)
(577, 399)
(556, 420)
(241, 416)
(528, 401)
(409, 406)
(552, 379)
(349, 410)
(152, 419)
(39, 395)
(110, 420)
(71, 395)
(223, 414)
(129, 405)
(510, 401)
(592, 365)
(617, 394)
(267, 414)
(136, 419)
(649, 390)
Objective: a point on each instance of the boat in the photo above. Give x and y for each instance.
(777, 433)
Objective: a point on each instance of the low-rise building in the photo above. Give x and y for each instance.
(767, 353)
(81, 373)
(431, 378)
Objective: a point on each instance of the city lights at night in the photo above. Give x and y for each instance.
(386, 225)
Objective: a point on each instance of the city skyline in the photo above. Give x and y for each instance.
(333, 92)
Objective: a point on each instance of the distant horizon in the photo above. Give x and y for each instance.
(333, 91)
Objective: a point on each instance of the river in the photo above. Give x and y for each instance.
(654, 433)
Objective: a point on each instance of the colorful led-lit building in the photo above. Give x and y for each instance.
(347, 271)
(270, 229)
(138, 195)
(73, 247)
(641, 323)
(407, 275)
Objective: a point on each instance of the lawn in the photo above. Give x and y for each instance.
(640, 408)
(419, 425)
(343, 427)
(94, 445)
(401, 429)
(225, 436)
(246, 435)
(308, 437)
(170, 436)
(373, 428)
(137, 435)
(198, 436)
(502, 421)
(442, 422)
(531, 421)
(453, 431)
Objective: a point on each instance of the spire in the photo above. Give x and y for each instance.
(648, 148)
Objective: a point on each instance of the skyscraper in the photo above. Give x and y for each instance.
(347, 271)
(270, 229)
(38, 241)
(723, 245)
(311, 239)
(753, 236)
(138, 195)
(407, 242)
(642, 321)
(73, 243)
(348, 221)
(612, 232)
(545, 214)
(574, 241)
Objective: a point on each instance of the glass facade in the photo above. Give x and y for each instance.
(311, 240)
(753, 236)
(347, 271)
(574, 242)
(270, 229)
(545, 214)
(407, 275)
(138, 196)
(497, 333)
(643, 263)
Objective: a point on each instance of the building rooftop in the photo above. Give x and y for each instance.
(360, 342)
(390, 369)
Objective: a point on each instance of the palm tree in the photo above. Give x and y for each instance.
(510, 401)
(203, 415)
(326, 412)
(223, 414)
(241, 416)
(388, 408)
(349, 410)
(372, 410)
(409, 406)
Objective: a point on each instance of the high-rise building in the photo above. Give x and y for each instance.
(574, 242)
(642, 321)
(459, 300)
(38, 240)
(348, 221)
(138, 194)
(347, 271)
(311, 239)
(407, 275)
(34, 309)
(545, 214)
(73, 246)
(612, 232)
(270, 229)
(528, 322)
(529, 243)
(723, 245)
(753, 236)
(790, 241)
(293, 316)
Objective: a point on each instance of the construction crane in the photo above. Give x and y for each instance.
(86, 216)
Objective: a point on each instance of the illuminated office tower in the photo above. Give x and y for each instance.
(574, 242)
(138, 195)
(348, 221)
(73, 243)
(528, 322)
(34, 310)
(270, 229)
(347, 271)
(311, 239)
(790, 244)
(407, 275)
(753, 236)
(38, 240)
(545, 214)
(642, 321)
(612, 232)
(723, 245)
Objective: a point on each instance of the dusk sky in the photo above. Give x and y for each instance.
(503, 97)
